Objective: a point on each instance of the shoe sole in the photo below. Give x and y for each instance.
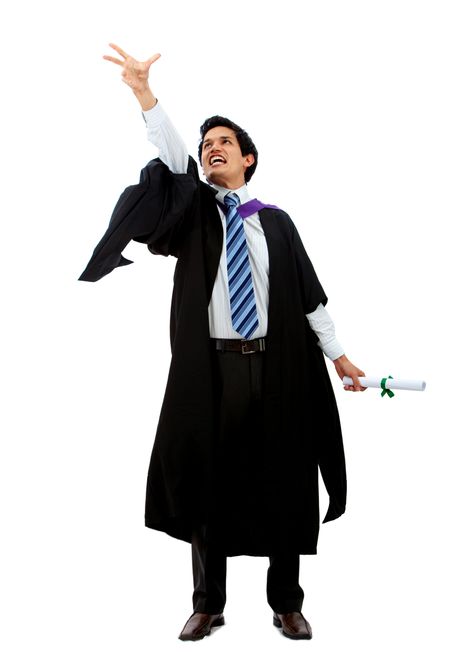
(215, 623)
(277, 622)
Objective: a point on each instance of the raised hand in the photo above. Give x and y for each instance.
(134, 73)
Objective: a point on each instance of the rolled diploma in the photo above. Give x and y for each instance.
(391, 383)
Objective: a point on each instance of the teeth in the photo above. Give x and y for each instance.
(217, 159)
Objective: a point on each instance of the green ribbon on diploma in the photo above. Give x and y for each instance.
(386, 390)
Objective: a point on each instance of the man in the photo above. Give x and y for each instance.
(249, 413)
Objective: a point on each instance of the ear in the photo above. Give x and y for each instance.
(249, 160)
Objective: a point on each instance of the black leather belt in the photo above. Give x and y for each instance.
(243, 346)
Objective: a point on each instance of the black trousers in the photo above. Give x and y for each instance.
(238, 390)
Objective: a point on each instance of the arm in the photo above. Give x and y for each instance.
(323, 326)
(160, 130)
(314, 297)
(162, 134)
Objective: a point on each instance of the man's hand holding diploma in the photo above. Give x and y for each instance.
(344, 367)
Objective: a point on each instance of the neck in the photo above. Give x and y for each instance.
(227, 188)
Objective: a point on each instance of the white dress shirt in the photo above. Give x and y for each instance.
(172, 151)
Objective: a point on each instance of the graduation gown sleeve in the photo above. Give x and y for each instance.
(331, 456)
(152, 211)
(312, 290)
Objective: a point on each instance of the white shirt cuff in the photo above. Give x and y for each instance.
(155, 116)
(323, 326)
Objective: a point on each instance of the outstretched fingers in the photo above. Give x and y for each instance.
(113, 59)
(119, 50)
(128, 59)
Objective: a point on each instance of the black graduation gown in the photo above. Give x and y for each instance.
(176, 214)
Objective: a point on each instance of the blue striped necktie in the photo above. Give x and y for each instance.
(242, 297)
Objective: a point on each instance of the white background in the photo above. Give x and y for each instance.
(348, 104)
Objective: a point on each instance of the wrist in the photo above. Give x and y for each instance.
(145, 98)
(342, 358)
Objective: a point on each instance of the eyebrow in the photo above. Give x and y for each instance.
(208, 140)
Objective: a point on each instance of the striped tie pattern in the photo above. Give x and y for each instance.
(242, 296)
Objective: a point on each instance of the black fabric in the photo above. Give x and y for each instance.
(209, 573)
(238, 381)
(284, 593)
(240, 479)
(176, 214)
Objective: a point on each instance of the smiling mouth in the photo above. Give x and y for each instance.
(215, 161)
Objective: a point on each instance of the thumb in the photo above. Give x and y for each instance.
(356, 383)
(152, 59)
(361, 374)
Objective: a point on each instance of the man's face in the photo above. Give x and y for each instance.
(222, 160)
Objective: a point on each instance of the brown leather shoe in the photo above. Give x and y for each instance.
(199, 625)
(293, 625)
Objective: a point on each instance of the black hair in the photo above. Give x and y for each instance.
(245, 142)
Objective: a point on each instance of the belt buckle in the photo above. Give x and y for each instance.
(243, 345)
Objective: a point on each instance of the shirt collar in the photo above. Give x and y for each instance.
(241, 192)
